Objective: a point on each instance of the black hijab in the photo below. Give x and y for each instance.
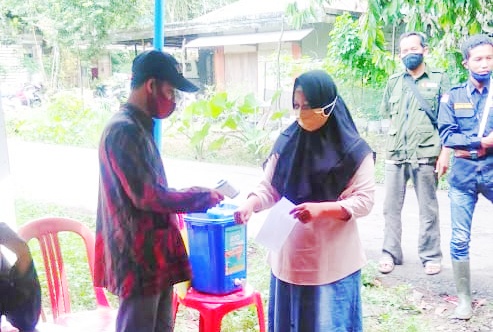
(317, 166)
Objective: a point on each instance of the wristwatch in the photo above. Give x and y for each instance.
(474, 154)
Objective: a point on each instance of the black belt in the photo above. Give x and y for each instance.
(472, 154)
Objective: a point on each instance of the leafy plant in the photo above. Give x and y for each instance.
(252, 125)
(121, 61)
(211, 122)
(197, 120)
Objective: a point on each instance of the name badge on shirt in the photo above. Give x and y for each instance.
(461, 106)
(430, 85)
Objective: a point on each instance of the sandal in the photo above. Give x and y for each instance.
(433, 268)
(386, 264)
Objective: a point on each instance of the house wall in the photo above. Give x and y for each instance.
(7, 208)
(103, 65)
(219, 77)
(315, 44)
(267, 69)
(241, 69)
(12, 72)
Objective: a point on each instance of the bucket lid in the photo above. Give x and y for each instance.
(220, 212)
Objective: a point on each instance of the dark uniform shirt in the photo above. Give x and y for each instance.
(412, 136)
(20, 295)
(459, 118)
(139, 250)
(7, 235)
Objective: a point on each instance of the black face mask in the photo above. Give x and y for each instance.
(481, 78)
(412, 60)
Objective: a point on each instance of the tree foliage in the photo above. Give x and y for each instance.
(80, 30)
(71, 24)
(447, 23)
(181, 10)
(359, 73)
(87, 24)
(299, 14)
(348, 60)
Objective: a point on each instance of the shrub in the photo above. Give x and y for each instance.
(212, 122)
(66, 120)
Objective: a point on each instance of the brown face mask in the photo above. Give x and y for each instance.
(314, 118)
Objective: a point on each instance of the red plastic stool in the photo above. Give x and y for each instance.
(213, 308)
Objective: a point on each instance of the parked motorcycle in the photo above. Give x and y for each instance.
(29, 95)
(106, 91)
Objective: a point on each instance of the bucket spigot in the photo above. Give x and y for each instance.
(239, 282)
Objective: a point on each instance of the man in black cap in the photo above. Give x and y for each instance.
(140, 254)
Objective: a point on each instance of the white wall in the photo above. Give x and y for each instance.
(7, 212)
(267, 82)
(14, 74)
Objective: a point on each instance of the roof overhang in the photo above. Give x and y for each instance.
(249, 39)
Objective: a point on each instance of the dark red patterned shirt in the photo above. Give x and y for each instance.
(139, 250)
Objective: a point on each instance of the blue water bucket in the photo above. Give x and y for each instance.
(217, 250)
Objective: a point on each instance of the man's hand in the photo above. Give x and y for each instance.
(216, 197)
(24, 258)
(487, 142)
(23, 264)
(18, 246)
(443, 161)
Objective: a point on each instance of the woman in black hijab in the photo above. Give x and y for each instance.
(322, 165)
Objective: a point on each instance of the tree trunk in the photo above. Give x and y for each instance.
(55, 67)
(39, 56)
(278, 65)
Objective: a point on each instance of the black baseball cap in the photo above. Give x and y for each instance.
(162, 66)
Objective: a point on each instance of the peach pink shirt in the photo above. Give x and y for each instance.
(322, 251)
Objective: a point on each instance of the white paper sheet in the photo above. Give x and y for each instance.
(277, 226)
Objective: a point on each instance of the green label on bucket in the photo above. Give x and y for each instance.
(234, 249)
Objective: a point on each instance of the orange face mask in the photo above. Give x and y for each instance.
(314, 118)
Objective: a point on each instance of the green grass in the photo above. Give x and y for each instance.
(73, 252)
(392, 309)
(384, 308)
(80, 288)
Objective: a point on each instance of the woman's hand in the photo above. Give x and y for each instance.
(243, 214)
(307, 212)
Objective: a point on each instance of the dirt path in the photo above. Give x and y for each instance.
(431, 292)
